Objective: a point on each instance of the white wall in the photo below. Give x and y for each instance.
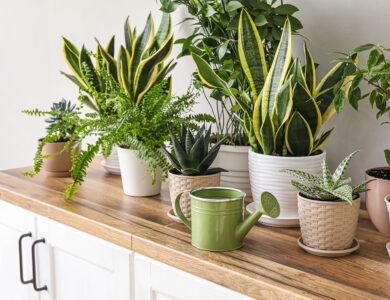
(31, 57)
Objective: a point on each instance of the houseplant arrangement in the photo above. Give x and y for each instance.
(328, 209)
(289, 108)
(214, 37)
(375, 72)
(191, 160)
(138, 67)
(53, 153)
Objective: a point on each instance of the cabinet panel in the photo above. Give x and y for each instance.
(76, 265)
(158, 281)
(14, 222)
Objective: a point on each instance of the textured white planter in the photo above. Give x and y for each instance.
(265, 175)
(111, 163)
(235, 160)
(137, 179)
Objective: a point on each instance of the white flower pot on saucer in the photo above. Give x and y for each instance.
(234, 159)
(265, 175)
(111, 162)
(137, 179)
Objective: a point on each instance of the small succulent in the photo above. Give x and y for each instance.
(191, 155)
(59, 113)
(330, 187)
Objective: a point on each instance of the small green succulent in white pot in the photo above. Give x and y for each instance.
(328, 207)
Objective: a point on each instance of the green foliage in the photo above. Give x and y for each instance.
(330, 187)
(215, 39)
(63, 120)
(142, 128)
(191, 155)
(138, 67)
(288, 107)
(375, 72)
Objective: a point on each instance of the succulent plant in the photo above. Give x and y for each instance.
(329, 187)
(191, 155)
(60, 111)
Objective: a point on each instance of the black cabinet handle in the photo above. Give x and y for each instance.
(21, 258)
(34, 280)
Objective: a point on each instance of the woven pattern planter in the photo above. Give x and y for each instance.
(328, 225)
(179, 183)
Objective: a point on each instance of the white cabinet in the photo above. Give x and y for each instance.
(14, 222)
(76, 265)
(158, 281)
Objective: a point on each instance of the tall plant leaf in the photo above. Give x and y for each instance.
(310, 70)
(299, 139)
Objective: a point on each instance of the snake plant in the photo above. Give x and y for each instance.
(191, 155)
(329, 187)
(289, 106)
(138, 67)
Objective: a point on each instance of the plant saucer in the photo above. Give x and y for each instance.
(172, 215)
(292, 221)
(388, 247)
(329, 253)
(111, 169)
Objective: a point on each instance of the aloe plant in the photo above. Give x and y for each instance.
(331, 187)
(191, 155)
(289, 106)
(139, 65)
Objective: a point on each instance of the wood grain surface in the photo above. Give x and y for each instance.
(269, 266)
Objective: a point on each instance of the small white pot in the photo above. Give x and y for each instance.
(387, 201)
(111, 163)
(234, 159)
(137, 179)
(265, 175)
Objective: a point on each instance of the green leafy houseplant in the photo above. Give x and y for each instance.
(375, 72)
(331, 187)
(287, 108)
(139, 65)
(63, 120)
(214, 37)
(142, 128)
(191, 155)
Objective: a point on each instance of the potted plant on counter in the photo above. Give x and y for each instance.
(375, 72)
(289, 109)
(328, 210)
(138, 67)
(191, 160)
(53, 153)
(214, 37)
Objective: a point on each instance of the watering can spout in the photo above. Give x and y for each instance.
(268, 205)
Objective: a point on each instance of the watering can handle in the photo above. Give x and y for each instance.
(179, 212)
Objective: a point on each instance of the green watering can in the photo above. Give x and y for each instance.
(217, 217)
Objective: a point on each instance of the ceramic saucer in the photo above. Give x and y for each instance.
(277, 222)
(388, 247)
(329, 253)
(111, 169)
(172, 215)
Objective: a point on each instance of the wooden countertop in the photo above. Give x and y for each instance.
(269, 266)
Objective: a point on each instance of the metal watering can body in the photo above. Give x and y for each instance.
(217, 217)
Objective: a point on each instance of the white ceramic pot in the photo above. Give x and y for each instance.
(137, 179)
(265, 175)
(235, 160)
(387, 201)
(111, 162)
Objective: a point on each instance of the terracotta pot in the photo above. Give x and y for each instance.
(234, 159)
(58, 165)
(179, 183)
(328, 225)
(376, 207)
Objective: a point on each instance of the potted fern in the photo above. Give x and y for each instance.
(328, 208)
(191, 160)
(284, 113)
(134, 72)
(53, 153)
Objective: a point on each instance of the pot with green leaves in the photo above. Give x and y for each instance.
(191, 159)
(140, 65)
(328, 207)
(54, 150)
(289, 109)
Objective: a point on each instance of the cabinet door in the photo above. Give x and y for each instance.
(158, 281)
(14, 222)
(76, 265)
